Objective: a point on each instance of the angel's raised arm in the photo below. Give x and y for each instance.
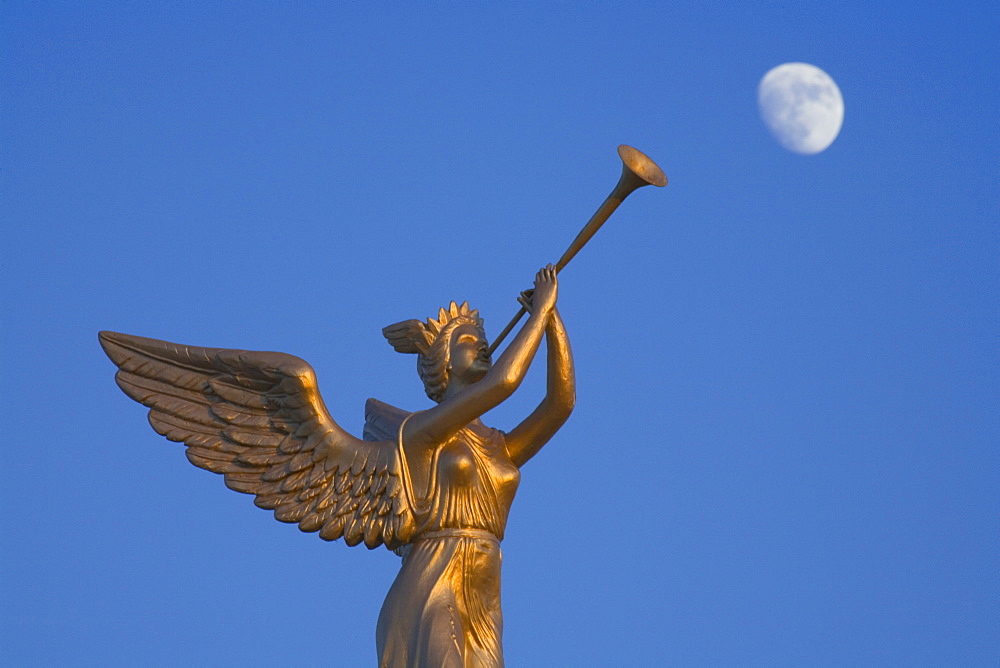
(526, 439)
(467, 398)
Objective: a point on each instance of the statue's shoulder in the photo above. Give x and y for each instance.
(482, 435)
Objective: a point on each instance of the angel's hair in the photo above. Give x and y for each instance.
(430, 342)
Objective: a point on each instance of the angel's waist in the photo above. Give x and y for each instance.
(481, 534)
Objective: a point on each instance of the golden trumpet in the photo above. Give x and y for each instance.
(638, 170)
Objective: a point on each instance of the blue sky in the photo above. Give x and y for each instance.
(785, 448)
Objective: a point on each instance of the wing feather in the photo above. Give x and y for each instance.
(258, 419)
(237, 396)
(332, 529)
(382, 421)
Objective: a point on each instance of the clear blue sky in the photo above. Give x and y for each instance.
(785, 449)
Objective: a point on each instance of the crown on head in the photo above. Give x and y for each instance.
(413, 336)
(462, 313)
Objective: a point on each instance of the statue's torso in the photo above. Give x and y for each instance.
(472, 483)
(444, 607)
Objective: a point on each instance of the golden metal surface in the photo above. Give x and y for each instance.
(436, 485)
(638, 170)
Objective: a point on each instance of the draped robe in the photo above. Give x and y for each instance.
(443, 609)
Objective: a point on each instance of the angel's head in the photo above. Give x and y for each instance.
(452, 346)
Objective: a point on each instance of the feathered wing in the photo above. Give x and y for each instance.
(258, 419)
(382, 420)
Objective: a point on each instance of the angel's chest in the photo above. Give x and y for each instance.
(483, 466)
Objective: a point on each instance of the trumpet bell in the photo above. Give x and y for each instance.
(642, 166)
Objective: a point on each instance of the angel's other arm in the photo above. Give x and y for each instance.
(436, 425)
(527, 438)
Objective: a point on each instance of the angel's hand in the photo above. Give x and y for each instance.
(527, 300)
(546, 289)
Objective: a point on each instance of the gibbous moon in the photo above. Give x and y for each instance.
(802, 107)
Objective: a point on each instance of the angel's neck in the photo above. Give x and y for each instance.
(454, 389)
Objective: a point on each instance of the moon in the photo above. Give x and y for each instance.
(801, 106)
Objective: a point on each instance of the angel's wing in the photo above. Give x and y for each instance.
(382, 420)
(258, 419)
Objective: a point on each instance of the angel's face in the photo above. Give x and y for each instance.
(469, 359)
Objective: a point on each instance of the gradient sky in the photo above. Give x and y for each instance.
(785, 448)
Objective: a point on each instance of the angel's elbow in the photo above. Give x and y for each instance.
(509, 383)
(562, 390)
(565, 404)
(505, 384)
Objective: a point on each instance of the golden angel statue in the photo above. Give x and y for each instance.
(435, 485)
